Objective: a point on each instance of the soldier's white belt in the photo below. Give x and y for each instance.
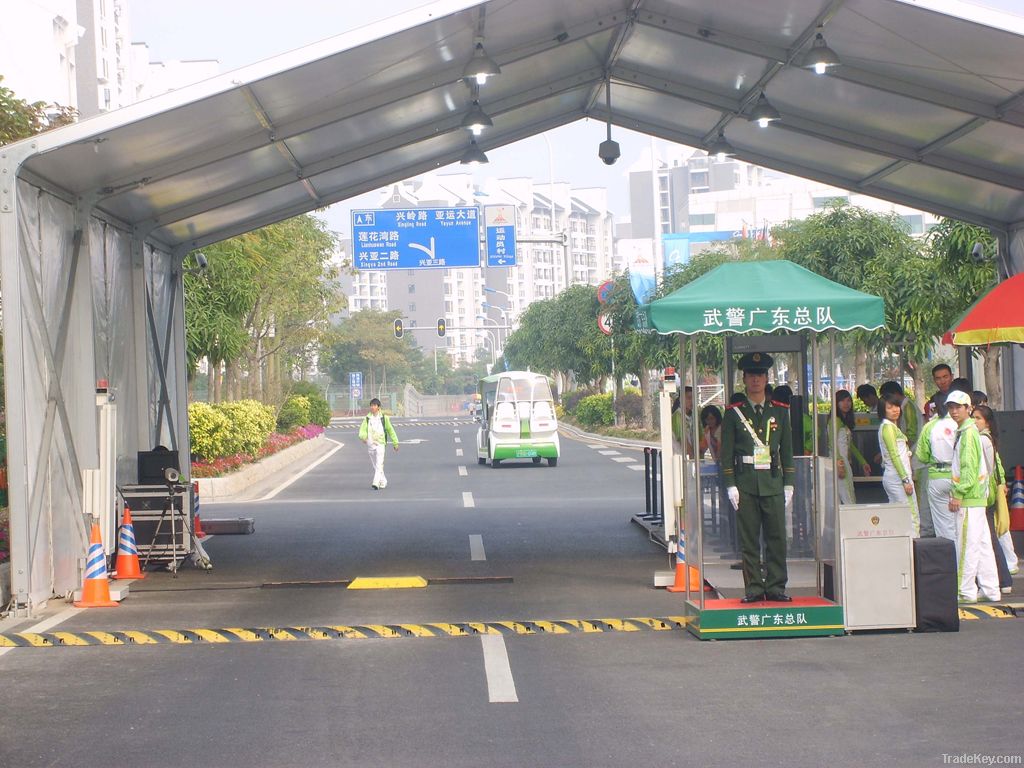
(747, 459)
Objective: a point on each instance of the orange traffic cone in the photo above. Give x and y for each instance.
(197, 526)
(95, 588)
(127, 564)
(679, 585)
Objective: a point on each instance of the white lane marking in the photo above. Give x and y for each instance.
(463, 472)
(501, 688)
(637, 467)
(337, 447)
(609, 453)
(458, 439)
(46, 624)
(467, 499)
(622, 459)
(476, 547)
(595, 446)
(458, 451)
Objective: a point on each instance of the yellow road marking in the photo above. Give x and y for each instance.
(390, 582)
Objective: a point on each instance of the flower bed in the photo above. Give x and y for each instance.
(275, 442)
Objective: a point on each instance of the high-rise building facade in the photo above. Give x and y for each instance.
(560, 231)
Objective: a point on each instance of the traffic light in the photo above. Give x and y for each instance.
(399, 329)
(441, 327)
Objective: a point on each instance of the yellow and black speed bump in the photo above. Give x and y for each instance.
(339, 632)
(990, 611)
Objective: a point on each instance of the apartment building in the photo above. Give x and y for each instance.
(560, 231)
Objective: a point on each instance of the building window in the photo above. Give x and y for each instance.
(916, 223)
(702, 219)
(699, 179)
(412, 287)
(412, 306)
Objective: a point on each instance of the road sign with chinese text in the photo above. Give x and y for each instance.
(416, 238)
(500, 225)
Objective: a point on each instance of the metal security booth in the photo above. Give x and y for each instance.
(764, 297)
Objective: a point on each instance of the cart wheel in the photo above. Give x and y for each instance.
(552, 462)
(481, 461)
(536, 459)
(495, 463)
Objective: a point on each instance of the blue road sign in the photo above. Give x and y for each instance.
(500, 225)
(416, 238)
(355, 379)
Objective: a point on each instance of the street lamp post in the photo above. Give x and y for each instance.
(489, 337)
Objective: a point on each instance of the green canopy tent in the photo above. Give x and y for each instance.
(765, 296)
(747, 297)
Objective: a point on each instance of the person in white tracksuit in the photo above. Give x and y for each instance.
(976, 563)
(375, 430)
(897, 476)
(1006, 557)
(935, 450)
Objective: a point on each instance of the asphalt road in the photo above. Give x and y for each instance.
(548, 543)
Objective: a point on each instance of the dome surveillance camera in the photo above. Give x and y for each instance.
(978, 253)
(201, 261)
(609, 152)
(171, 475)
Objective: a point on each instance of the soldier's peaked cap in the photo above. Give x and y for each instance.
(755, 362)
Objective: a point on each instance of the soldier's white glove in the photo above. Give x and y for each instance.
(788, 491)
(734, 496)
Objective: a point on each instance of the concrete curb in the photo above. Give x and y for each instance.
(217, 488)
(621, 442)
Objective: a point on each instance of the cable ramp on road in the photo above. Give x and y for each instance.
(139, 637)
(335, 632)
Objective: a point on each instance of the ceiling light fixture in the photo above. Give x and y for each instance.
(476, 119)
(763, 112)
(473, 155)
(481, 66)
(820, 58)
(721, 148)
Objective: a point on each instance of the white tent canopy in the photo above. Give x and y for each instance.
(926, 110)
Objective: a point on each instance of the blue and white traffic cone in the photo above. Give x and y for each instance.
(95, 587)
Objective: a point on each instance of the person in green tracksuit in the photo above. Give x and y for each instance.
(758, 472)
(375, 430)
(976, 563)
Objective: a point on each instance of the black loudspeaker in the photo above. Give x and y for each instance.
(935, 585)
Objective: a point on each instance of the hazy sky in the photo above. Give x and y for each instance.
(240, 32)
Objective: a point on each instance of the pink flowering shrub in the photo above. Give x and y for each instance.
(276, 441)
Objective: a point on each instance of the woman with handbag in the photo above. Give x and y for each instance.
(998, 512)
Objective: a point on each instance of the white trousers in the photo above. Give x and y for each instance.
(1006, 542)
(939, 490)
(976, 562)
(377, 451)
(894, 490)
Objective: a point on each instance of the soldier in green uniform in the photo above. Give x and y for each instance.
(758, 472)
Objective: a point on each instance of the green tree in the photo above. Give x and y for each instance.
(19, 119)
(261, 310)
(868, 251)
(959, 280)
(365, 342)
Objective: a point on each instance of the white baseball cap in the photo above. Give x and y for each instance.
(958, 397)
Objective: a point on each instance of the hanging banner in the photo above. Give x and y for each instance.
(638, 255)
